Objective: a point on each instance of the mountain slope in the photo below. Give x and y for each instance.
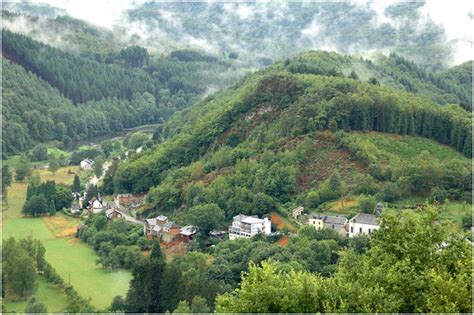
(276, 103)
(79, 79)
(33, 111)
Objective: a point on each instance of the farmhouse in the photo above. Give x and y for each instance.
(248, 226)
(87, 164)
(296, 212)
(362, 223)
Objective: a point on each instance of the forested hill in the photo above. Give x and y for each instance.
(288, 100)
(63, 96)
(33, 112)
(78, 79)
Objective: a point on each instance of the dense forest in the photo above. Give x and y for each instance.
(299, 103)
(35, 112)
(40, 94)
(78, 79)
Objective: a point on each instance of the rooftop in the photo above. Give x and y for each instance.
(252, 220)
(162, 218)
(365, 218)
(330, 219)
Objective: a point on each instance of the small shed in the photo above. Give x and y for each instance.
(296, 212)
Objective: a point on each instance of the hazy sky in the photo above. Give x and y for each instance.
(452, 14)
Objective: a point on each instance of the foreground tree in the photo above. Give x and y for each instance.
(19, 271)
(144, 294)
(414, 264)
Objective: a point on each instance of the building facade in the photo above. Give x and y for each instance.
(362, 223)
(248, 226)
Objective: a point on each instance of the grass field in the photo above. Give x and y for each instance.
(71, 258)
(391, 148)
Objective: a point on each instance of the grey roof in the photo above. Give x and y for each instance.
(365, 218)
(75, 207)
(329, 219)
(162, 218)
(170, 224)
(188, 230)
(151, 221)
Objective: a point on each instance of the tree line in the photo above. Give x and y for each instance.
(77, 78)
(23, 263)
(47, 197)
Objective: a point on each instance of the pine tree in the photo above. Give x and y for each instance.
(76, 186)
(52, 208)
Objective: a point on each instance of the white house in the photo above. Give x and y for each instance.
(97, 207)
(362, 223)
(248, 226)
(87, 164)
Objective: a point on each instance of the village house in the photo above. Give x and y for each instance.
(129, 201)
(362, 223)
(113, 213)
(153, 227)
(87, 164)
(248, 226)
(186, 233)
(75, 209)
(317, 221)
(296, 212)
(95, 206)
(170, 232)
(336, 223)
(167, 231)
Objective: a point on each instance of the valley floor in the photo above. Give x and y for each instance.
(73, 260)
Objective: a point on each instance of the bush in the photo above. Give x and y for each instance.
(312, 200)
(390, 192)
(438, 195)
(367, 204)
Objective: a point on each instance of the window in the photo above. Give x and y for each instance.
(352, 229)
(369, 231)
(360, 230)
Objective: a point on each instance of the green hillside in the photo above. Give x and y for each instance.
(33, 112)
(300, 132)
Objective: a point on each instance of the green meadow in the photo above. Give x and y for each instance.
(73, 260)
